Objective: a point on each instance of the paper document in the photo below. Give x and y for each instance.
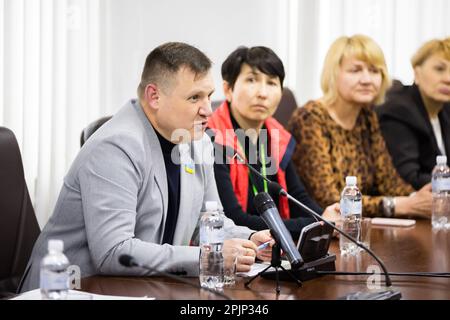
(258, 267)
(77, 295)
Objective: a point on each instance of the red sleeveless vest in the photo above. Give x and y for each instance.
(220, 123)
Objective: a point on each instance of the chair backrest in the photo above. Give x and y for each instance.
(19, 228)
(287, 106)
(91, 128)
(396, 87)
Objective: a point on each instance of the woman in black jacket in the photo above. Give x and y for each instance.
(415, 120)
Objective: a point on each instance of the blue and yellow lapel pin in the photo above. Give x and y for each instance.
(189, 168)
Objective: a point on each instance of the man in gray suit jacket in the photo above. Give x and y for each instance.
(115, 197)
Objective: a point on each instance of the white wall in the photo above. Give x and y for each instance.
(398, 26)
(135, 27)
(299, 31)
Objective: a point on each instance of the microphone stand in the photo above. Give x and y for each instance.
(276, 187)
(275, 262)
(359, 244)
(276, 250)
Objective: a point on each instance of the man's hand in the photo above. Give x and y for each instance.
(261, 237)
(247, 253)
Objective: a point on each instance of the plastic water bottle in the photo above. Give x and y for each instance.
(211, 243)
(54, 277)
(351, 210)
(440, 183)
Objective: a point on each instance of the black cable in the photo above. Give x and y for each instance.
(128, 261)
(358, 243)
(398, 274)
(278, 189)
(180, 279)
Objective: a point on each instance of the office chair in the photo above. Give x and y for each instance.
(91, 128)
(19, 228)
(396, 87)
(287, 106)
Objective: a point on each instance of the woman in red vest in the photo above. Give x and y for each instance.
(253, 83)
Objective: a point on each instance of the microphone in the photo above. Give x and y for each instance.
(129, 261)
(269, 213)
(276, 187)
(232, 154)
(359, 244)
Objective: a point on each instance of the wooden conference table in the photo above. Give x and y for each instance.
(412, 249)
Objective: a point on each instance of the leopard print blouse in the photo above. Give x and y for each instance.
(326, 153)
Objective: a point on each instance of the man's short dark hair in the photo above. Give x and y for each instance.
(261, 58)
(165, 61)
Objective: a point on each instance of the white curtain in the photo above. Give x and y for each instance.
(398, 26)
(49, 86)
(64, 63)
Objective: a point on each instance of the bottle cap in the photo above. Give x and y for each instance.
(350, 181)
(441, 159)
(55, 245)
(211, 206)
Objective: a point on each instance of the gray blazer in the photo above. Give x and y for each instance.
(114, 201)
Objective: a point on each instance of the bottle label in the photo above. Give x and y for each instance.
(211, 235)
(51, 280)
(349, 207)
(211, 228)
(441, 184)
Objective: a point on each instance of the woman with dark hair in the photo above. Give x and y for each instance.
(415, 121)
(253, 82)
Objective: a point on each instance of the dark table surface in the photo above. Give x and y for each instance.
(412, 249)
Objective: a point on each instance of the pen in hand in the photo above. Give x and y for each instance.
(263, 246)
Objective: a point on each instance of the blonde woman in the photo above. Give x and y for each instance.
(338, 135)
(415, 122)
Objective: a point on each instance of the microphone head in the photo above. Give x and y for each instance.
(127, 261)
